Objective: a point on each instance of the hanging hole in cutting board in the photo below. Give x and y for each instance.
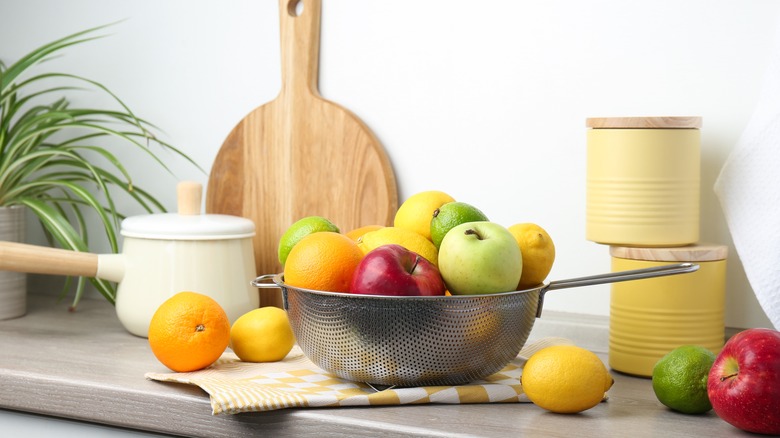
(295, 8)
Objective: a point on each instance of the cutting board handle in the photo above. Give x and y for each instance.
(300, 46)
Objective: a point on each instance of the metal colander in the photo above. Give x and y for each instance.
(420, 341)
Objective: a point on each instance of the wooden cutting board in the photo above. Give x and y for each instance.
(300, 154)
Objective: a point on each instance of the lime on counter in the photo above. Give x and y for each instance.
(680, 379)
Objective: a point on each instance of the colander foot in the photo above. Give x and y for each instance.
(380, 388)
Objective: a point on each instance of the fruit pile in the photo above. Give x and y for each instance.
(436, 246)
(190, 331)
(740, 384)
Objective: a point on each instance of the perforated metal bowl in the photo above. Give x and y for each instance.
(415, 341)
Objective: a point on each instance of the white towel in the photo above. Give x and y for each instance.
(749, 191)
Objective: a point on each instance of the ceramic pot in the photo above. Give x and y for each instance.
(13, 285)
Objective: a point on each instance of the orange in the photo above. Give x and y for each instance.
(299, 229)
(189, 331)
(357, 232)
(323, 261)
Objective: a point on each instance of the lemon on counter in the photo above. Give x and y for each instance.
(565, 379)
(262, 335)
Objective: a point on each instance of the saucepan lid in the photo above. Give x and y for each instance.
(188, 223)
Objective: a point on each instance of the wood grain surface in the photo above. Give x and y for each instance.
(644, 122)
(86, 366)
(691, 253)
(300, 154)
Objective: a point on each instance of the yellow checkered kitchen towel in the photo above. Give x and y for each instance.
(295, 382)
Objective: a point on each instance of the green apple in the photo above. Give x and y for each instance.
(480, 258)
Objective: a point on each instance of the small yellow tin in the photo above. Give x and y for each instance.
(643, 178)
(649, 318)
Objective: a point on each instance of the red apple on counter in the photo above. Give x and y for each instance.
(394, 270)
(744, 382)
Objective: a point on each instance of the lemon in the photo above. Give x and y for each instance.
(408, 239)
(416, 212)
(680, 379)
(357, 232)
(450, 215)
(538, 253)
(300, 229)
(262, 335)
(565, 379)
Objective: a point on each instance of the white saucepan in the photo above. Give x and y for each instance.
(162, 254)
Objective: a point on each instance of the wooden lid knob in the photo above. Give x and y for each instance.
(189, 195)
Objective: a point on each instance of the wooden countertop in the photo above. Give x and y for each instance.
(85, 366)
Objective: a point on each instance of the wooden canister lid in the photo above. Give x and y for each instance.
(691, 253)
(644, 122)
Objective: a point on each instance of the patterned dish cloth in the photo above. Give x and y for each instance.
(295, 382)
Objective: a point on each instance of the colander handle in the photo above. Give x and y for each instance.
(269, 281)
(635, 274)
(614, 277)
(263, 281)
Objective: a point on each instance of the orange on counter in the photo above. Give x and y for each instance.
(189, 331)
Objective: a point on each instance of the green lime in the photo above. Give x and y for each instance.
(299, 230)
(450, 215)
(680, 379)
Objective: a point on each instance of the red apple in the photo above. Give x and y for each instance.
(744, 382)
(394, 270)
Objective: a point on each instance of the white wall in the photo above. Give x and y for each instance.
(484, 100)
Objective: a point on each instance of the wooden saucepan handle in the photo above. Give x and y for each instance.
(33, 259)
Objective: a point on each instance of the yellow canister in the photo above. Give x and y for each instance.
(643, 177)
(649, 318)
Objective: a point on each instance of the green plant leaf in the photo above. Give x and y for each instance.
(59, 160)
(43, 52)
(68, 238)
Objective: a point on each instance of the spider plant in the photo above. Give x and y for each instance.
(57, 159)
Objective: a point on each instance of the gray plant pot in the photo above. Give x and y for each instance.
(13, 285)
